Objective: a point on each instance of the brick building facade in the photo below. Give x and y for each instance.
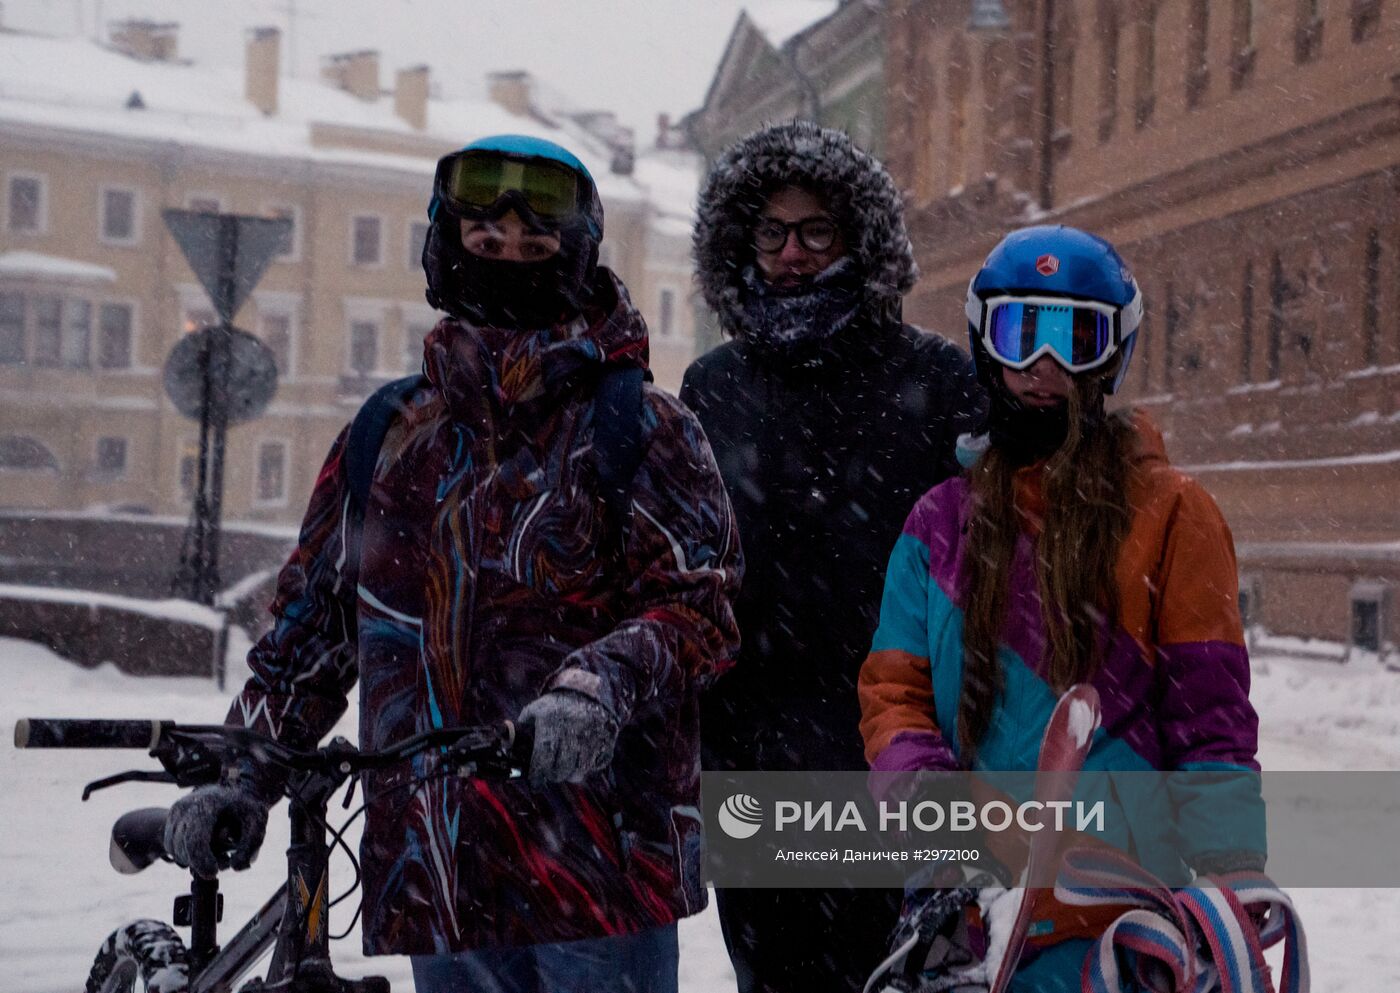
(1244, 155)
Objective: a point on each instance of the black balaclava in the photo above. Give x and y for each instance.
(1030, 434)
(496, 292)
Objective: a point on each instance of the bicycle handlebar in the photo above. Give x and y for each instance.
(63, 732)
(501, 740)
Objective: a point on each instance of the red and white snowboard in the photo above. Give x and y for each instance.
(1063, 748)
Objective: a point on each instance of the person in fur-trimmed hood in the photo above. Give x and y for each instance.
(828, 417)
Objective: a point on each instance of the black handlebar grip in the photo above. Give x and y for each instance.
(63, 732)
(522, 744)
(227, 835)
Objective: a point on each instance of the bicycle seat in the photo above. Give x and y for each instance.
(138, 839)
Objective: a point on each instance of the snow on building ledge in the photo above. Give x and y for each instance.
(53, 269)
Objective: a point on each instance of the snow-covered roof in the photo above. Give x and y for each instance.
(782, 20)
(17, 265)
(76, 84)
(672, 178)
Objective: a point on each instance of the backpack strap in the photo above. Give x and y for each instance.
(617, 439)
(372, 422)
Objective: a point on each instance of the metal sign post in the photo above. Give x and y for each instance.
(219, 375)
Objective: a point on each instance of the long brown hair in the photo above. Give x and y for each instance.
(1086, 520)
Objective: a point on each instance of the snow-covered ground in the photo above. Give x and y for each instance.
(59, 898)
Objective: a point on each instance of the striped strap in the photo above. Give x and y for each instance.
(1194, 940)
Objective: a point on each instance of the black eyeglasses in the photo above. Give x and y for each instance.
(816, 234)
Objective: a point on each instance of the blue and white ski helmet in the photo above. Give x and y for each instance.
(1057, 261)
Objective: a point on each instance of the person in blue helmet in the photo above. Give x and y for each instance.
(531, 532)
(1069, 551)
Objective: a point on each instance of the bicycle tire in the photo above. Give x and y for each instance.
(146, 952)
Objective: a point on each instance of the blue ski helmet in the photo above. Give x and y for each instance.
(1023, 300)
(548, 186)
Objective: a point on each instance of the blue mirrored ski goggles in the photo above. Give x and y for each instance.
(1078, 334)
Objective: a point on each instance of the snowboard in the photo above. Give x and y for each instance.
(1063, 748)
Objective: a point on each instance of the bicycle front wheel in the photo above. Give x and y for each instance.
(143, 955)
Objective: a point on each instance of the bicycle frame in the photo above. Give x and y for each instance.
(295, 920)
(297, 917)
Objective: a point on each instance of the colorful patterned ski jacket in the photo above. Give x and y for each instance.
(1174, 684)
(487, 575)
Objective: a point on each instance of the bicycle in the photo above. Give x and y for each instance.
(295, 920)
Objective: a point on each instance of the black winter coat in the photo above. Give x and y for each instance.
(824, 454)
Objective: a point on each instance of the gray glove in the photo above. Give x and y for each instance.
(194, 820)
(574, 736)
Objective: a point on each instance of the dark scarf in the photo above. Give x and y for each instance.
(781, 319)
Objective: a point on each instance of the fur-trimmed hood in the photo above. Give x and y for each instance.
(859, 191)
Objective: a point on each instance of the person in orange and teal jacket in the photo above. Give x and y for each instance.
(1070, 551)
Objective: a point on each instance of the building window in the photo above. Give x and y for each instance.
(48, 329)
(118, 217)
(667, 313)
(204, 203)
(1365, 19)
(364, 347)
(1066, 33)
(1247, 324)
(12, 337)
(1146, 89)
(114, 336)
(111, 456)
(1197, 53)
(27, 204)
(1242, 23)
(76, 343)
(272, 473)
(1371, 299)
(276, 334)
(21, 453)
(1368, 615)
(959, 90)
(1278, 291)
(188, 471)
(417, 237)
(1307, 33)
(1251, 602)
(291, 246)
(1169, 336)
(366, 240)
(1109, 37)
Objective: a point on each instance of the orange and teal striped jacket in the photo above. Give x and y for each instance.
(1174, 683)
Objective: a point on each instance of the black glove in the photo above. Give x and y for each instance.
(228, 811)
(574, 736)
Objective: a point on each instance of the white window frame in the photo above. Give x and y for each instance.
(132, 304)
(285, 498)
(288, 305)
(110, 474)
(293, 254)
(350, 248)
(43, 180)
(102, 235)
(190, 198)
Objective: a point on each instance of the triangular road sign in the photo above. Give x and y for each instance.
(228, 252)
